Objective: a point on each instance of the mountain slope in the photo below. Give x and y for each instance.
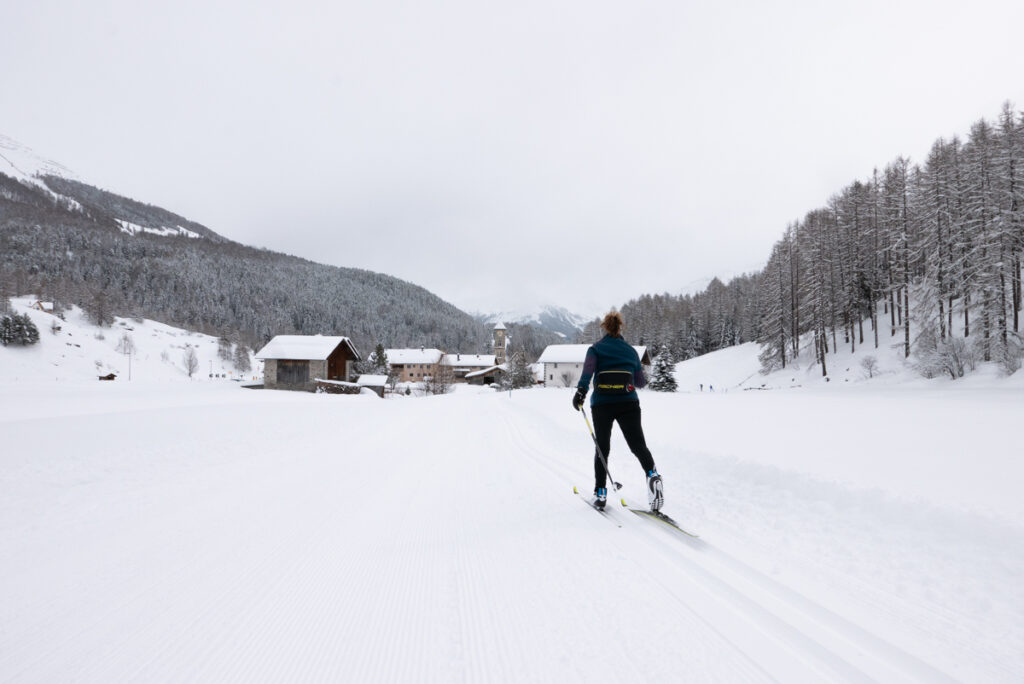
(551, 318)
(76, 244)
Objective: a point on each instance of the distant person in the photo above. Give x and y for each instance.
(702, 387)
(616, 371)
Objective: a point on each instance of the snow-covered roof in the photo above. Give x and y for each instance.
(372, 380)
(401, 357)
(500, 326)
(468, 360)
(574, 353)
(303, 347)
(476, 374)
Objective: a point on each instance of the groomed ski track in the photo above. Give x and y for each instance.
(261, 536)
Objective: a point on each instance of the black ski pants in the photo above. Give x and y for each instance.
(627, 414)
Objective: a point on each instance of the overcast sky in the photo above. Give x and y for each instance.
(502, 155)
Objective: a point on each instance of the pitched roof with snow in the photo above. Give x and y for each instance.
(574, 353)
(401, 357)
(487, 371)
(469, 360)
(303, 347)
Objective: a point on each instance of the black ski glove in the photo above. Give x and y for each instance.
(577, 399)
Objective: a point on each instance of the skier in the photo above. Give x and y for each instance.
(616, 371)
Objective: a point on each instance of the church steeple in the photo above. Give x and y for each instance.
(500, 343)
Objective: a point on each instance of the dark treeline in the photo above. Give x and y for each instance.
(77, 254)
(691, 325)
(939, 244)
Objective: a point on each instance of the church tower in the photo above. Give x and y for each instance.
(500, 343)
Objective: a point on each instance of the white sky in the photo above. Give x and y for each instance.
(502, 155)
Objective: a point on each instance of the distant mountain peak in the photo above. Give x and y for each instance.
(23, 163)
(550, 317)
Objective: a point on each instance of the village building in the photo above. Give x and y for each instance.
(500, 344)
(463, 365)
(563, 363)
(412, 365)
(296, 362)
(486, 376)
(376, 383)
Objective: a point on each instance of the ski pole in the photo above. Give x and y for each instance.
(597, 447)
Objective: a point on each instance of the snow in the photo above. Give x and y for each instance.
(177, 530)
(372, 380)
(25, 165)
(302, 347)
(467, 360)
(487, 371)
(22, 163)
(134, 229)
(403, 357)
(82, 351)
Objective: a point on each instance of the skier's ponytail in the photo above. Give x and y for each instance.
(612, 324)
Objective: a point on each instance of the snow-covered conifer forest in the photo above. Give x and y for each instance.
(927, 255)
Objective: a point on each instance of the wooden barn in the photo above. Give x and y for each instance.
(296, 362)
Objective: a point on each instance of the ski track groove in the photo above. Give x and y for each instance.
(778, 611)
(300, 577)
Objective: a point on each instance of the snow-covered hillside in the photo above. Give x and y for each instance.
(854, 532)
(80, 350)
(22, 163)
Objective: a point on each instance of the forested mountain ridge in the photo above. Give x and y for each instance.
(73, 243)
(927, 256)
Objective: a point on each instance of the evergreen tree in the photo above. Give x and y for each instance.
(6, 330)
(30, 333)
(241, 359)
(519, 374)
(379, 360)
(664, 379)
(224, 352)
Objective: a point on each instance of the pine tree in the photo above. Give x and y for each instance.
(30, 333)
(664, 379)
(224, 352)
(241, 359)
(6, 330)
(519, 374)
(379, 360)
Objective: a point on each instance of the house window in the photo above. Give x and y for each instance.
(552, 376)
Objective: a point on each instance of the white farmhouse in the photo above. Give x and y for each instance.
(563, 363)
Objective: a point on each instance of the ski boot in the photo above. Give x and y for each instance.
(600, 498)
(655, 496)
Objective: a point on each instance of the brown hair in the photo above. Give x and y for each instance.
(613, 324)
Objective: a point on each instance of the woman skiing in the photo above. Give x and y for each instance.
(616, 371)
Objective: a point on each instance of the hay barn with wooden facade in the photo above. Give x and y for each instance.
(296, 362)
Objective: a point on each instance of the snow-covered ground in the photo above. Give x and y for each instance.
(145, 351)
(180, 530)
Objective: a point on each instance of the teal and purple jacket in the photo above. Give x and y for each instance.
(612, 353)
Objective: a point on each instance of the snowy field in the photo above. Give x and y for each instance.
(199, 531)
(173, 529)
